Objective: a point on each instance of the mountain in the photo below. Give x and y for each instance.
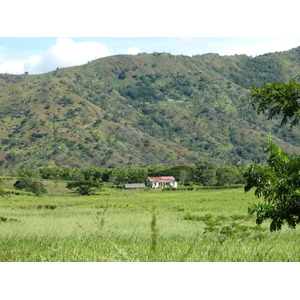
(141, 110)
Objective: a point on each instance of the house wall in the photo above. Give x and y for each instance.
(174, 184)
(155, 184)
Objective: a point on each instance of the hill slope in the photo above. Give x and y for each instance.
(150, 109)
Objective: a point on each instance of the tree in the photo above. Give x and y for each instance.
(122, 75)
(207, 172)
(183, 176)
(85, 187)
(119, 175)
(227, 175)
(278, 99)
(279, 182)
(29, 185)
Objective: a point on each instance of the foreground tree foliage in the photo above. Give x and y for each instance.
(278, 99)
(85, 187)
(279, 182)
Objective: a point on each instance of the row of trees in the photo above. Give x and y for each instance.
(85, 181)
(206, 173)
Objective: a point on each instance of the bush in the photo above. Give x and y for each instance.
(122, 75)
(85, 187)
(28, 185)
(224, 228)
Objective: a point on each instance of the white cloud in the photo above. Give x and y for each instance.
(64, 53)
(13, 67)
(133, 50)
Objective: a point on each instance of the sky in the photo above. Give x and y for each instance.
(38, 39)
(37, 55)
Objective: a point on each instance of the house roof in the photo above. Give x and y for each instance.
(162, 179)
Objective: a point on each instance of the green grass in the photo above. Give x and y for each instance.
(120, 225)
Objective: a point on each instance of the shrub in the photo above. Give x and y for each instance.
(28, 185)
(224, 228)
(122, 75)
(84, 187)
(5, 219)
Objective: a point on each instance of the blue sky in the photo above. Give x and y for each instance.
(43, 54)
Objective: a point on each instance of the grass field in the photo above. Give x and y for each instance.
(133, 225)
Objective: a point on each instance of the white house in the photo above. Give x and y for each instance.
(163, 181)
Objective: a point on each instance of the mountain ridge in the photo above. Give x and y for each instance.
(141, 110)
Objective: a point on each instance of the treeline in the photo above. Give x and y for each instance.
(205, 174)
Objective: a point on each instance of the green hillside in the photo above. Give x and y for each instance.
(140, 110)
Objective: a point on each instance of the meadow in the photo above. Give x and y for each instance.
(138, 226)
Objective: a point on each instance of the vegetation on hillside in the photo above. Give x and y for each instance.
(142, 110)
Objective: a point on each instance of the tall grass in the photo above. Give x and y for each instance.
(121, 225)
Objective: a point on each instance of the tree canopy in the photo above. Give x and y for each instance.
(84, 187)
(278, 99)
(279, 184)
(279, 181)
